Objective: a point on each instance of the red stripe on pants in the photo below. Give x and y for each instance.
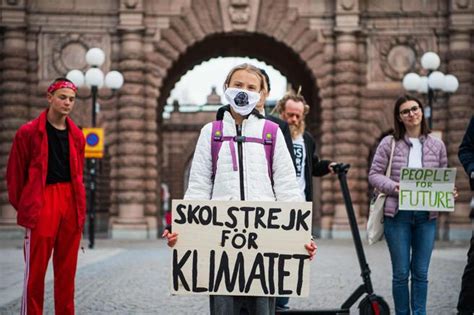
(56, 232)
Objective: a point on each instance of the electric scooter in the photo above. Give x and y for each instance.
(371, 304)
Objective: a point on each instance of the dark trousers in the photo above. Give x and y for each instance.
(466, 296)
(241, 305)
(282, 301)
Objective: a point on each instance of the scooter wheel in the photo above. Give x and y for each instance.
(374, 305)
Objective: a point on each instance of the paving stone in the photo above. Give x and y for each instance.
(133, 277)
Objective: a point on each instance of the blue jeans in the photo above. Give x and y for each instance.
(410, 238)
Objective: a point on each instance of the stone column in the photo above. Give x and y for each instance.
(346, 124)
(347, 82)
(14, 112)
(360, 197)
(111, 115)
(128, 178)
(37, 92)
(326, 93)
(440, 113)
(152, 175)
(129, 173)
(460, 109)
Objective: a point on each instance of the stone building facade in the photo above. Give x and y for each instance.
(349, 56)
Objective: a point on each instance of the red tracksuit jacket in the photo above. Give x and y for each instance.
(28, 166)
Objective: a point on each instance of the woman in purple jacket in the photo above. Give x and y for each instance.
(410, 235)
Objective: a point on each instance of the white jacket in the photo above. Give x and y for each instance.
(257, 183)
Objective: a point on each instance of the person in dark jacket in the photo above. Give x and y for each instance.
(466, 156)
(45, 186)
(293, 109)
(260, 108)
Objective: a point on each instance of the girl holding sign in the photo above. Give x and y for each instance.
(241, 170)
(410, 235)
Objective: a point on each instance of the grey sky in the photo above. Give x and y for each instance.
(196, 84)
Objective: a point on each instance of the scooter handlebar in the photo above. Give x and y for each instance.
(341, 168)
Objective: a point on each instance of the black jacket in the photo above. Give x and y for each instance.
(313, 165)
(285, 129)
(466, 152)
(466, 155)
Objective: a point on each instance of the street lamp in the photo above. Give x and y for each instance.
(94, 78)
(431, 83)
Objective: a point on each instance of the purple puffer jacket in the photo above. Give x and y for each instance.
(433, 155)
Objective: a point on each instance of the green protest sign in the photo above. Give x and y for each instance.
(427, 189)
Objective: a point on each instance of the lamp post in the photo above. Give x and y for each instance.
(94, 78)
(431, 83)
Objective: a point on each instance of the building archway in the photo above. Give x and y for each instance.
(240, 44)
(299, 52)
(347, 45)
(237, 44)
(328, 44)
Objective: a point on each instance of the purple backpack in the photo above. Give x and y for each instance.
(268, 141)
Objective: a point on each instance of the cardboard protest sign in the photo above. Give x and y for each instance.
(241, 248)
(427, 189)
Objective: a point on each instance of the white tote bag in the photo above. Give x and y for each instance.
(375, 222)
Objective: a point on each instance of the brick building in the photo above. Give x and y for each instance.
(349, 56)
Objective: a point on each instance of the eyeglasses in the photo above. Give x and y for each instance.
(415, 109)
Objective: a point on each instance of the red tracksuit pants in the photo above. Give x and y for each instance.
(56, 232)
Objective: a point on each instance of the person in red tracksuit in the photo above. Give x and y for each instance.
(45, 186)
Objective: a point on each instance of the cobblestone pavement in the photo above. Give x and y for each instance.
(133, 278)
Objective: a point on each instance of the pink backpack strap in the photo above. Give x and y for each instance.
(216, 144)
(268, 140)
(269, 135)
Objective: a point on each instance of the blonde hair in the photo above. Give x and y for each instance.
(295, 97)
(250, 68)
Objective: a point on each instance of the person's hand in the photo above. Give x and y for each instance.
(311, 247)
(330, 167)
(397, 187)
(455, 192)
(171, 237)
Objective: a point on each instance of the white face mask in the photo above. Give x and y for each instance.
(242, 101)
